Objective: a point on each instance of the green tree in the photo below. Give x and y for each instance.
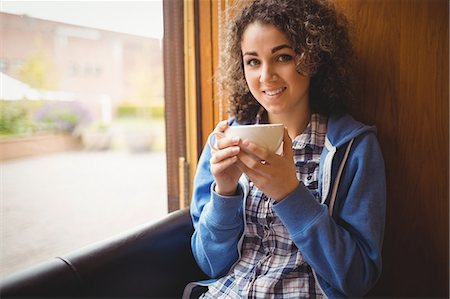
(37, 70)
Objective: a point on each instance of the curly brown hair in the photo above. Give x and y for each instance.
(319, 35)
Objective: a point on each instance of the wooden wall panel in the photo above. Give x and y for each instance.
(403, 90)
(213, 18)
(218, 17)
(206, 65)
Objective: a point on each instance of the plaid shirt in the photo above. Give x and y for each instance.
(271, 266)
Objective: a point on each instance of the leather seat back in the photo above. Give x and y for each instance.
(151, 261)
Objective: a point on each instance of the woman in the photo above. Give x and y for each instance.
(308, 222)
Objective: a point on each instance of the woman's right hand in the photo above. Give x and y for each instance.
(223, 162)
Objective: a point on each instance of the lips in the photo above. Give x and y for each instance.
(274, 92)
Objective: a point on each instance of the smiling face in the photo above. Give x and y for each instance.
(271, 74)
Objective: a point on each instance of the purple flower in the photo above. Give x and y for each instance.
(63, 116)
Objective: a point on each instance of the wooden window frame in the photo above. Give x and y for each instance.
(191, 46)
(174, 93)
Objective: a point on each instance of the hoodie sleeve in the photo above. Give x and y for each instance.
(218, 222)
(344, 250)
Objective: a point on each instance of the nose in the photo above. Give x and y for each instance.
(268, 74)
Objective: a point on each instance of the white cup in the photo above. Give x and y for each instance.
(268, 136)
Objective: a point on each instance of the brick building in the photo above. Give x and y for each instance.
(91, 63)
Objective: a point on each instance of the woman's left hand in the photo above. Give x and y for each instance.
(273, 174)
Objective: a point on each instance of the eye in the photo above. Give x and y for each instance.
(252, 62)
(284, 58)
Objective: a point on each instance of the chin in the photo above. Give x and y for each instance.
(275, 110)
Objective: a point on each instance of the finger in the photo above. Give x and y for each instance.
(223, 142)
(258, 178)
(223, 165)
(250, 161)
(259, 152)
(221, 126)
(251, 172)
(218, 134)
(287, 144)
(224, 154)
(252, 165)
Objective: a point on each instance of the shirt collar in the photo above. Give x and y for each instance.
(314, 134)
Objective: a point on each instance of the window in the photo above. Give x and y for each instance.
(83, 134)
(73, 69)
(3, 66)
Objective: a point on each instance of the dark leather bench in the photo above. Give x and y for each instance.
(151, 261)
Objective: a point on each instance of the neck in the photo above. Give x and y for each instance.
(295, 125)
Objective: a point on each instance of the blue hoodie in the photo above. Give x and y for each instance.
(340, 237)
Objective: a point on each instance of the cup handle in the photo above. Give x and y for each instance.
(210, 141)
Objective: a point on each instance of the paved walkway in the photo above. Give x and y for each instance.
(51, 205)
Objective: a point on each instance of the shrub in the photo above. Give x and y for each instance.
(14, 118)
(62, 116)
(157, 111)
(141, 111)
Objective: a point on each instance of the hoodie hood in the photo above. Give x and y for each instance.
(341, 129)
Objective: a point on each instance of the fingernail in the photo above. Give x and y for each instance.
(235, 139)
(246, 142)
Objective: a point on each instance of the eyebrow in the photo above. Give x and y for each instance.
(278, 48)
(275, 49)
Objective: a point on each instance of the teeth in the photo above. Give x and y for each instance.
(274, 92)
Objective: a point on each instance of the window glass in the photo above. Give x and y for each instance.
(82, 138)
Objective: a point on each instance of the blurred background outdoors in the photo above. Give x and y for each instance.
(82, 141)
